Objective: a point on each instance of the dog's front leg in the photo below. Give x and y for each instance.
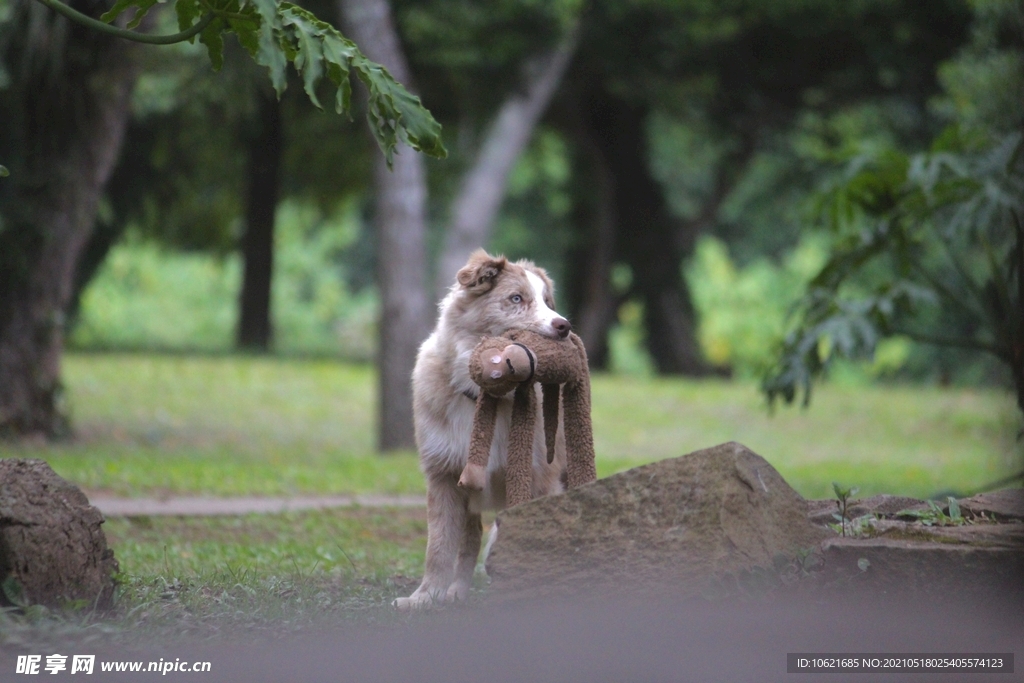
(469, 550)
(447, 510)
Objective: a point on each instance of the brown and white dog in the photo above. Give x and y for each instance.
(491, 296)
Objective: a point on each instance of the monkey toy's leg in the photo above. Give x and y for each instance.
(474, 474)
(519, 469)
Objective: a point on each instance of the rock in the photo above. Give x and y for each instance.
(1004, 504)
(679, 523)
(983, 563)
(51, 543)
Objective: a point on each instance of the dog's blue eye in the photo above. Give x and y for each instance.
(517, 299)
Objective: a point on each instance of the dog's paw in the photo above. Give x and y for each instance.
(418, 600)
(457, 592)
(405, 604)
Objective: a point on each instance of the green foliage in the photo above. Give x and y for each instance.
(144, 297)
(937, 516)
(225, 426)
(939, 228)
(742, 311)
(4, 172)
(626, 342)
(147, 297)
(277, 33)
(926, 245)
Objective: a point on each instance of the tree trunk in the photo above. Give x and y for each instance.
(401, 209)
(64, 117)
(255, 331)
(593, 303)
(648, 238)
(482, 189)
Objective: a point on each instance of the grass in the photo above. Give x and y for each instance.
(884, 439)
(223, 425)
(271, 574)
(234, 425)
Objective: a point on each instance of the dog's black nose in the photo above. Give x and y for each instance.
(562, 327)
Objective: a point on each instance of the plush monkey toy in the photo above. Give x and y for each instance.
(516, 361)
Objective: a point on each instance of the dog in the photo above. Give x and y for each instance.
(491, 295)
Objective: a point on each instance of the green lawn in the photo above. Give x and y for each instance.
(210, 577)
(230, 425)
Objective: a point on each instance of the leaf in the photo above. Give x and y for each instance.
(954, 509)
(4, 172)
(419, 130)
(142, 8)
(270, 53)
(188, 12)
(213, 38)
(338, 54)
(247, 30)
(306, 37)
(317, 49)
(863, 564)
(140, 13)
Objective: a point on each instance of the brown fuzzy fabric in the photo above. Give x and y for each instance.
(554, 363)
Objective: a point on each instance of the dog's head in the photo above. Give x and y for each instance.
(494, 295)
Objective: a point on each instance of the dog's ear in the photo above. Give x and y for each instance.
(478, 275)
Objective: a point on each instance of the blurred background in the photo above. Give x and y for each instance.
(205, 289)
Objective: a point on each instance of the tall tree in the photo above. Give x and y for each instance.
(401, 224)
(64, 112)
(648, 237)
(255, 331)
(593, 301)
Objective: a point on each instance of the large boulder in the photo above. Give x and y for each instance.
(52, 549)
(678, 524)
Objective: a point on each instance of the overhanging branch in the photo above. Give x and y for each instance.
(103, 27)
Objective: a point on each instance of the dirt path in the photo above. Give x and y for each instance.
(209, 506)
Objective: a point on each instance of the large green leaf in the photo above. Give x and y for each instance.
(318, 50)
(276, 33)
